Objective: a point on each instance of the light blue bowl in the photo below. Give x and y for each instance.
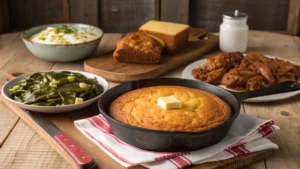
(62, 52)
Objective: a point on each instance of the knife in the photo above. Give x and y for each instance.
(81, 158)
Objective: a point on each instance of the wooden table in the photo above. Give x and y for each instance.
(21, 147)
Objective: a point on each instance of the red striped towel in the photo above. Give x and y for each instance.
(247, 134)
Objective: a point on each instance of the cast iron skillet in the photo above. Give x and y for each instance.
(165, 141)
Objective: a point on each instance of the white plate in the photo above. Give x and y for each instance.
(187, 74)
(54, 109)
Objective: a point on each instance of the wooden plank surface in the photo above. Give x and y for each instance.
(24, 14)
(286, 115)
(126, 16)
(289, 47)
(4, 16)
(8, 120)
(293, 23)
(174, 11)
(208, 14)
(25, 149)
(110, 69)
(84, 11)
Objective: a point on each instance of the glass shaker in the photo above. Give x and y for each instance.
(234, 32)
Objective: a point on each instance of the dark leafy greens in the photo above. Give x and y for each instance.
(55, 89)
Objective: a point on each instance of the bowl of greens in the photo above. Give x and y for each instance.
(55, 91)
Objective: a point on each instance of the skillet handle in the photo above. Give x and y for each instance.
(274, 89)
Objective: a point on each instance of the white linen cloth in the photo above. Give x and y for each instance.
(247, 135)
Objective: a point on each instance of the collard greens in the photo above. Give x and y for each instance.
(55, 89)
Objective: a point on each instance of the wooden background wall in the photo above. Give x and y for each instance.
(127, 15)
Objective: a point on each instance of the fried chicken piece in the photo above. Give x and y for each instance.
(281, 68)
(256, 82)
(263, 70)
(215, 76)
(251, 72)
(200, 73)
(223, 60)
(296, 71)
(212, 77)
(245, 63)
(287, 77)
(254, 56)
(242, 72)
(234, 81)
(237, 78)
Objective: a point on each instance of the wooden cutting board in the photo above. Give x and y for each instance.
(65, 122)
(200, 43)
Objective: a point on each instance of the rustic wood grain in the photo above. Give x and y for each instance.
(25, 149)
(126, 16)
(8, 120)
(293, 24)
(20, 112)
(286, 116)
(258, 165)
(236, 163)
(14, 57)
(279, 45)
(297, 40)
(66, 10)
(156, 9)
(4, 16)
(261, 13)
(174, 11)
(84, 11)
(113, 70)
(24, 14)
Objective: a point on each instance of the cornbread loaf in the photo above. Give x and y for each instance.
(200, 110)
(174, 35)
(138, 48)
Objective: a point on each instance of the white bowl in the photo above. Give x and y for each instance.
(53, 109)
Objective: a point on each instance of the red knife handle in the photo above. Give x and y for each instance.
(82, 158)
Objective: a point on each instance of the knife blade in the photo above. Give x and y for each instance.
(81, 157)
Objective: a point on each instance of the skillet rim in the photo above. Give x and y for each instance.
(207, 131)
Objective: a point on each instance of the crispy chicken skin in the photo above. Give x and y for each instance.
(237, 78)
(256, 82)
(234, 81)
(215, 76)
(224, 60)
(212, 77)
(254, 56)
(287, 77)
(252, 72)
(281, 68)
(215, 67)
(263, 70)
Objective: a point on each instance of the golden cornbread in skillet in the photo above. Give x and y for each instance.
(200, 110)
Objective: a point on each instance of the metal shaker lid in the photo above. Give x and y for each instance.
(235, 15)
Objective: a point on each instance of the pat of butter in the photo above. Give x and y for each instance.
(169, 102)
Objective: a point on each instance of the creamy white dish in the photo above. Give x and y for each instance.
(63, 35)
